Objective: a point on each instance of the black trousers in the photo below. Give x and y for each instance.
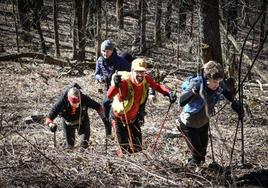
(197, 140)
(83, 132)
(123, 136)
(107, 108)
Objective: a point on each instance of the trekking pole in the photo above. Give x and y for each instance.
(54, 139)
(106, 147)
(161, 127)
(211, 144)
(126, 119)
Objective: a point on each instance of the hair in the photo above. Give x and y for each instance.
(74, 92)
(213, 70)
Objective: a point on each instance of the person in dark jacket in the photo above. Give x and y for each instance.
(200, 95)
(72, 106)
(107, 64)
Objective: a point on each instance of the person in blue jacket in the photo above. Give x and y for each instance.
(200, 95)
(108, 63)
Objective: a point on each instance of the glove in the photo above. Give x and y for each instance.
(238, 108)
(117, 80)
(52, 127)
(172, 97)
(101, 79)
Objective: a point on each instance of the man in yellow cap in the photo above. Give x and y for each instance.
(129, 90)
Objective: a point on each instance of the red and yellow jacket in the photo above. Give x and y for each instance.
(133, 95)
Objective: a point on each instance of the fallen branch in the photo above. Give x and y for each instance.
(47, 60)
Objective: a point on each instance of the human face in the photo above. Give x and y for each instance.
(213, 84)
(107, 53)
(74, 101)
(138, 76)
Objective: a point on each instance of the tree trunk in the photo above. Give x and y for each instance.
(98, 30)
(36, 14)
(210, 32)
(16, 26)
(74, 50)
(24, 9)
(232, 17)
(91, 20)
(119, 14)
(56, 33)
(142, 7)
(82, 21)
(157, 21)
(245, 13)
(37, 6)
(264, 9)
(178, 31)
(79, 29)
(191, 31)
(182, 14)
(168, 19)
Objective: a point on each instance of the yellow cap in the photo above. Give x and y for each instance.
(139, 64)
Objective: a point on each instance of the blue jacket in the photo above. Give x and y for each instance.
(106, 67)
(197, 103)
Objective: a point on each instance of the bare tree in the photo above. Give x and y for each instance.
(168, 19)
(98, 30)
(232, 17)
(56, 28)
(157, 21)
(119, 13)
(74, 45)
(82, 21)
(210, 33)
(37, 23)
(79, 28)
(142, 19)
(24, 9)
(91, 25)
(264, 9)
(16, 26)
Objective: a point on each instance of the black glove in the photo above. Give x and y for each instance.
(53, 127)
(172, 97)
(238, 108)
(117, 80)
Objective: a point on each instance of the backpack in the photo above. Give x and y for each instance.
(190, 81)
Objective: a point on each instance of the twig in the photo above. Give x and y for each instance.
(44, 155)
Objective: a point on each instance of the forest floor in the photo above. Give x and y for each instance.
(31, 157)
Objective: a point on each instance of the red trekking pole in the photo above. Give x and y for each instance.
(161, 127)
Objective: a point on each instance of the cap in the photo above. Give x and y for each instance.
(139, 65)
(107, 45)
